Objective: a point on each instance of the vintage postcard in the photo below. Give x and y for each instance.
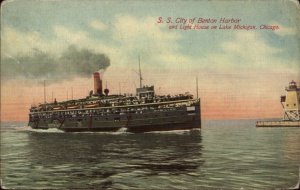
(153, 94)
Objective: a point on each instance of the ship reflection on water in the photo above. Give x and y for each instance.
(114, 159)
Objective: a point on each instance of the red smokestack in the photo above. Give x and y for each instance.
(97, 84)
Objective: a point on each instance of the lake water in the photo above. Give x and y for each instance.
(222, 155)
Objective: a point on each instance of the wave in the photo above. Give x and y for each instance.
(121, 131)
(176, 131)
(50, 130)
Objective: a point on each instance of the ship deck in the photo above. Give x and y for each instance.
(123, 106)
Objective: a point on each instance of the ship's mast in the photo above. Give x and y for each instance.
(44, 91)
(140, 73)
(197, 86)
(72, 93)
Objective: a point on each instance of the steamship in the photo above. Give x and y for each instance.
(99, 111)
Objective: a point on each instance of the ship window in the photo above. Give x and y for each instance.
(287, 105)
(294, 104)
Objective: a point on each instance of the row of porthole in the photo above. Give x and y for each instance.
(84, 119)
(74, 119)
(144, 116)
(288, 105)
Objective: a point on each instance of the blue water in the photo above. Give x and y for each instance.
(222, 155)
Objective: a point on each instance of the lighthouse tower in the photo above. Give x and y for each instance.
(291, 102)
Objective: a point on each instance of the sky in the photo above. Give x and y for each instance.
(241, 73)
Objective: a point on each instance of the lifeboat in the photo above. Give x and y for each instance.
(58, 108)
(91, 105)
(73, 107)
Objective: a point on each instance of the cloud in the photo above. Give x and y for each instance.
(14, 42)
(130, 37)
(72, 62)
(160, 50)
(69, 36)
(248, 43)
(284, 30)
(144, 36)
(248, 50)
(81, 38)
(98, 25)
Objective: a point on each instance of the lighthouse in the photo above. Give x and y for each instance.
(291, 109)
(291, 102)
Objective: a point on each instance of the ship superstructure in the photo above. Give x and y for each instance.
(100, 111)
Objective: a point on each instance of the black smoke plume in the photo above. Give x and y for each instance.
(73, 62)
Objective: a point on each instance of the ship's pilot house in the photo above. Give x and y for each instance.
(145, 92)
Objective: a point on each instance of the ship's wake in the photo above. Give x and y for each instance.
(185, 131)
(120, 131)
(50, 130)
